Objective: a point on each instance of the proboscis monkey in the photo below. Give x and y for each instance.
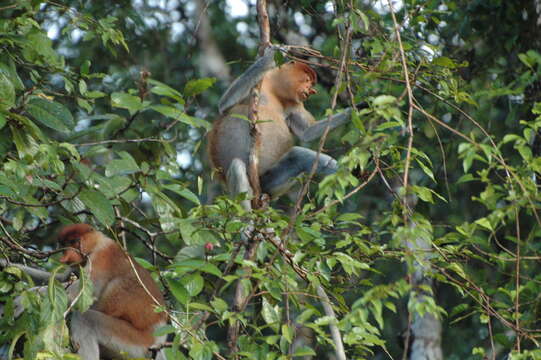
(282, 116)
(122, 319)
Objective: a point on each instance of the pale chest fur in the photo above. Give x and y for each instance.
(276, 137)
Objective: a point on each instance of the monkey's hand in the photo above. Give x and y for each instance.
(280, 47)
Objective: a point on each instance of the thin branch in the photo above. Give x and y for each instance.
(352, 192)
(517, 281)
(56, 202)
(338, 83)
(410, 107)
(123, 141)
(240, 300)
(335, 333)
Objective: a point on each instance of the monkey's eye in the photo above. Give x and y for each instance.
(72, 242)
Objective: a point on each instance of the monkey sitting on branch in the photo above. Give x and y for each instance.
(282, 116)
(122, 319)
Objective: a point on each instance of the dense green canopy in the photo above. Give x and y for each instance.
(431, 221)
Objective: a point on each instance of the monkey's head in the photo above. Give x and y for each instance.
(295, 81)
(75, 238)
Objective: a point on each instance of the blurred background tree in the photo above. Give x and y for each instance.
(104, 107)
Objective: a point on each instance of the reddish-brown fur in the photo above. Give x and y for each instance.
(283, 89)
(118, 291)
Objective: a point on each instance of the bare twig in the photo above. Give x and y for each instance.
(410, 107)
(240, 300)
(517, 281)
(255, 134)
(352, 192)
(123, 141)
(335, 333)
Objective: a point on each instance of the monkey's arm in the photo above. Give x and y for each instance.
(241, 87)
(40, 276)
(302, 123)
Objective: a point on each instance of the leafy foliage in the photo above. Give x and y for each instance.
(89, 134)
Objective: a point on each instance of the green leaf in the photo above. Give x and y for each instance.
(195, 87)
(179, 292)
(169, 111)
(99, 205)
(200, 306)
(288, 332)
(86, 287)
(56, 302)
(219, 305)
(211, 269)
(384, 100)
(10, 71)
(388, 124)
(85, 67)
(444, 61)
(124, 166)
(304, 351)
(165, 90)
(196, 264)
(424, 193)
(526, 60)
(364, 19)
(270, 314)
(51, 114)
(484, 222)
(7, 93)
(175, 112)
(203, 351)
(465, 178)
(426, 169)
(184, 192)
(3, 121)
(126, 101)
(112, 126)
(193, 283)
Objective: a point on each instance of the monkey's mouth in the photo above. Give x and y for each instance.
(306, 94)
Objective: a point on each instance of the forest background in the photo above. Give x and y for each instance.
(426, 240)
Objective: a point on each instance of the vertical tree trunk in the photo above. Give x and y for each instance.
(212, 61)
(426, 329)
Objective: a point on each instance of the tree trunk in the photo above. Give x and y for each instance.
(426, 329)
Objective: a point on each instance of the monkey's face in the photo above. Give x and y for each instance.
(304, 86)
(73, 237)
(73, 254)
(301, 79)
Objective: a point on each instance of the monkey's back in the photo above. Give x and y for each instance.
(123, 296)
(230, 138)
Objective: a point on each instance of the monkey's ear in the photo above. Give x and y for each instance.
(241, 87)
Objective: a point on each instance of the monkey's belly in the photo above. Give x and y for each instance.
(232, 140)
(276, 140)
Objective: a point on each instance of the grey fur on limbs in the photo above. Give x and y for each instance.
(243, 85)
(301, 127)
(298, 160)
(237, 181)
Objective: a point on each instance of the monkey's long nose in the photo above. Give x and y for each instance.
(312, 91)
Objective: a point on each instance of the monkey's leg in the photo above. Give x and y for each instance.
(94, 330)
(298, 160)
(237, 181)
